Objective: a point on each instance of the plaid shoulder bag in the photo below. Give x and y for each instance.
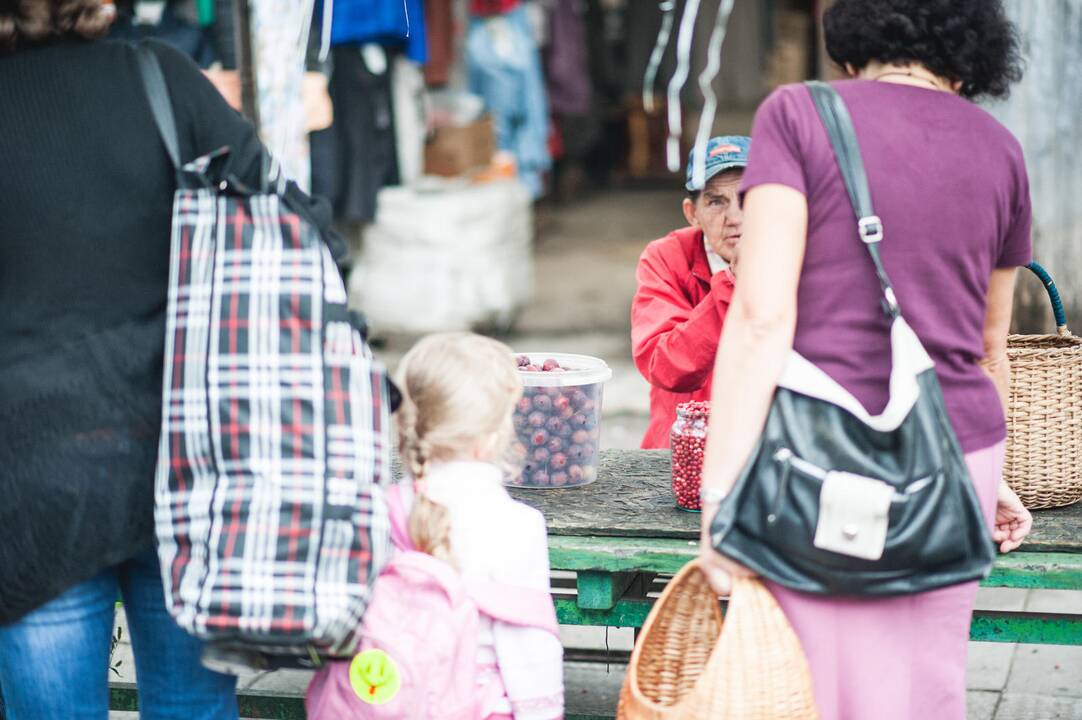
(271, 522)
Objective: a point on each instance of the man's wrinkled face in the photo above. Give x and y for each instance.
(718, 214)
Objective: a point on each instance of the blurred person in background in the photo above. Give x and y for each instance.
(686, 283)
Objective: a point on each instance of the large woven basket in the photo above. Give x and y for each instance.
(1044, 417)
(689, 664)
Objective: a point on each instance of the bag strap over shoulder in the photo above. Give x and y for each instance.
(150, 70)
(843, 138)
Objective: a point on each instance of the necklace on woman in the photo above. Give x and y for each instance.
(933, 82)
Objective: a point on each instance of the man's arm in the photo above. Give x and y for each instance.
(674, 343)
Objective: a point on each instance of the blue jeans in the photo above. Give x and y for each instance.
(54, 661)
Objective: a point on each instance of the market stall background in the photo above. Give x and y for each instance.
(497, 165)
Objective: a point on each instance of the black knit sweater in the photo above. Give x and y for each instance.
(86, 192)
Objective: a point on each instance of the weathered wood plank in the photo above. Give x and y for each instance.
(1020, 569)
(633, 498)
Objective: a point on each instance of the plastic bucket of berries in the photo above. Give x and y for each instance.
(558, 419)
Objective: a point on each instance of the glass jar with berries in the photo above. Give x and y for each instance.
(688, 442)
(558, 419)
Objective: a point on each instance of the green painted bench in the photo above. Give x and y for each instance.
(618, 532)
(621, 533)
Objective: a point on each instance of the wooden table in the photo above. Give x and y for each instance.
(619, 532)
(623, 531)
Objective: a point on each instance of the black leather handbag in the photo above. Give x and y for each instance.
(835, 501)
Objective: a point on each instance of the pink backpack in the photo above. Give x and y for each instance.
(418, 654)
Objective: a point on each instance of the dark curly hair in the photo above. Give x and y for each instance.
(966, 41)
(31, 22)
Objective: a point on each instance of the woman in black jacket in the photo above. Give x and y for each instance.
(86, 191)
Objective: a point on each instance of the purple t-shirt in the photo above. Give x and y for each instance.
(949, 183)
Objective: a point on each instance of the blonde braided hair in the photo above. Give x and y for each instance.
(458, 392)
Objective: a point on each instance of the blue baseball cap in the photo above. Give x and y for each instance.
(722, 153)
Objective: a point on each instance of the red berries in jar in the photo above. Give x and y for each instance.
(688, 442)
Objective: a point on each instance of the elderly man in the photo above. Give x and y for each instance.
(685, 286)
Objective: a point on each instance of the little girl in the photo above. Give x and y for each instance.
(454, 437)
(455, 434)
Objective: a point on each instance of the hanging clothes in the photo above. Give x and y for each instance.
(410, 118)
(440, 31)
(356, 157)
(566, 59)
(280, 51)
(170, 26)
(484, 8)
(391, 22)
(503, 66)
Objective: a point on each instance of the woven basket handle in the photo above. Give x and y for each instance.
(1053, 295)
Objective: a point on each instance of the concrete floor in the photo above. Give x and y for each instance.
(585, 265)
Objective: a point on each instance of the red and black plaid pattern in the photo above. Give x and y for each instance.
(270, 518)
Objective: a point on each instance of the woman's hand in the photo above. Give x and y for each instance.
(719, 570)
(1013, 521)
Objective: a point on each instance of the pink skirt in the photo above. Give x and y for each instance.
(895, 658)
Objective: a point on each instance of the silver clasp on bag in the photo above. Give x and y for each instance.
(871, 229)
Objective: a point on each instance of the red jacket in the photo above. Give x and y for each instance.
(676, 321)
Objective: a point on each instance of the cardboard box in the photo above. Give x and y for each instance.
(454, 151)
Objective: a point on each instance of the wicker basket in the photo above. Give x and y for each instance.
(1044, 416)
(686, 665)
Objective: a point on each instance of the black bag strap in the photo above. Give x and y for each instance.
(839, 125)
(158, 95)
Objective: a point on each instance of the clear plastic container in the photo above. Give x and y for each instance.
(688, 442)
(558, 421)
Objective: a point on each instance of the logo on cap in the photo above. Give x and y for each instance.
(722, 149)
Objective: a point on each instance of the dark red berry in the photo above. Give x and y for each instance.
(536, 420)
(558, 461)
(574, 473)
(542, 402)
(523, 360)
(555, 425)
(555, 445)
(550, 365)
(540, 478)
(581, 437)
(559, 479)
(541, 455)
(561, 403)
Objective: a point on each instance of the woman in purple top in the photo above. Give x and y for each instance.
(949, 183)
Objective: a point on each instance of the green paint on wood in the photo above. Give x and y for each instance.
(601, 590)
(625, 613)
(1049, 629)
(1054, 571)
(611, 554)
(1050, 571)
